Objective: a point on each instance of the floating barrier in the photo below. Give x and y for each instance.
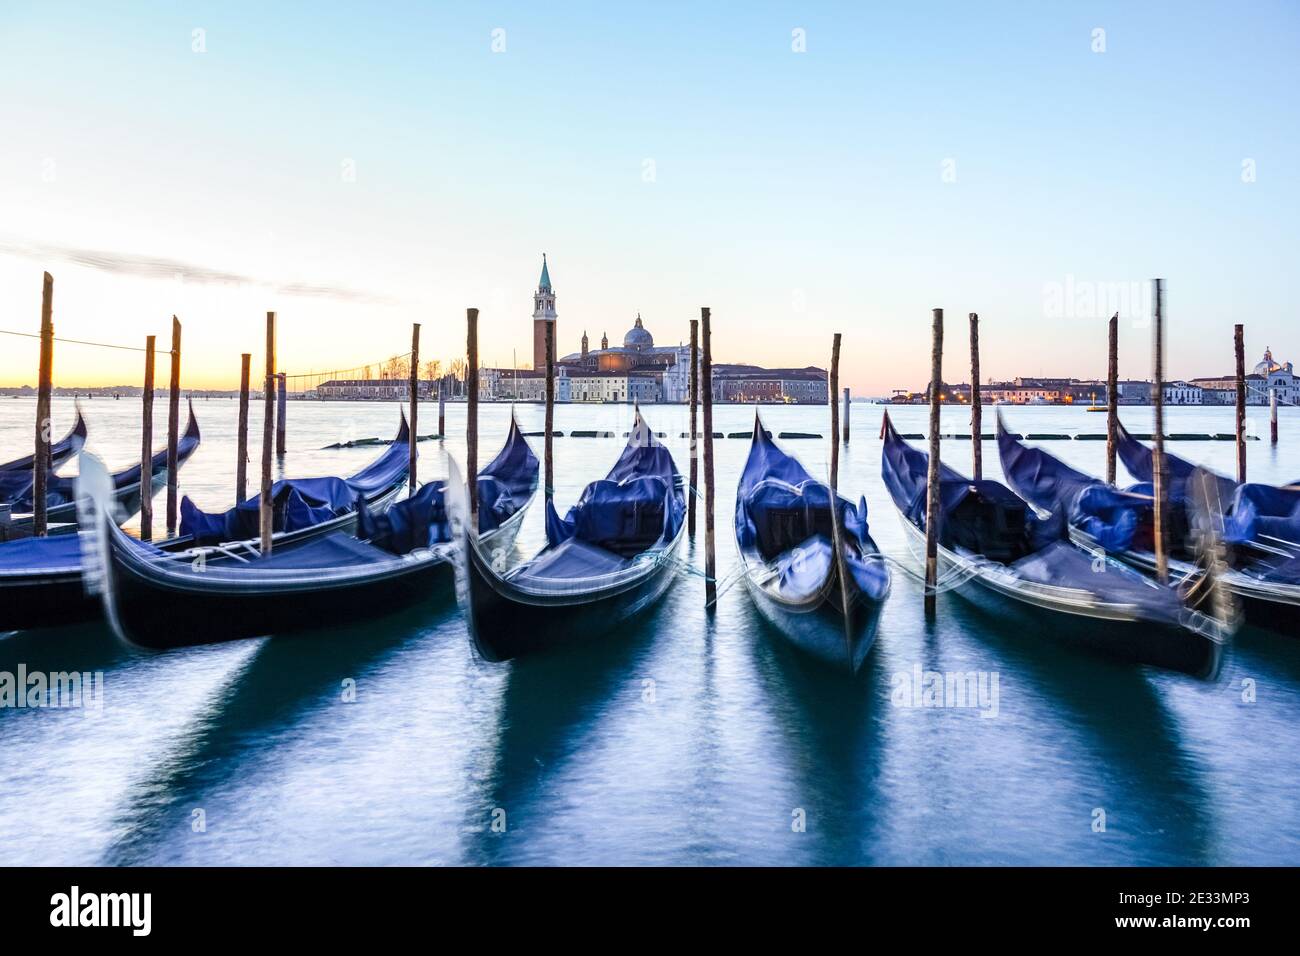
(796, 435)
(590, 434)
(542, 434)
(656, 434)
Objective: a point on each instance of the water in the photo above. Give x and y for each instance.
(693, 739)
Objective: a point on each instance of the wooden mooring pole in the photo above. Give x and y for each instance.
(415, 407)
(837, 534)
(706, 371)
(241, 439)
(1112, 396)
(44, 389)
(1272, 415)
(281, 412)
(268, 436)
(173, 431)
(1239, 346)
(547, 449)
(976, 409)
(932, 475)
(848, 402)
(1161, 466)
(693, 486)
(471, 414)
(442, 407)
(146, 442)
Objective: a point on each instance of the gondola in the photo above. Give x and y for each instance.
(16, 475)
(1259, 523)
(159, 600)
(61, 493)
(608, 560)
(40, 578)
(1004, 558)
(785, 539)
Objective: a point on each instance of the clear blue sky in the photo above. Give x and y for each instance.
(797, 194)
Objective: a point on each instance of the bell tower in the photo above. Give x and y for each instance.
(543, 312)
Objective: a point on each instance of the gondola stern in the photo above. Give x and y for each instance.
(96, 504)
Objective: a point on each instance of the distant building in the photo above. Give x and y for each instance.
(1182, 393)
(597, 386)
(372, 389)
(1133, 392)
(752, 383)
(520, 385)
(669, 366)
(1267, 377)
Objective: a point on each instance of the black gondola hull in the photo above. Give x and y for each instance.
(506, 622)
(819, 627)
(1131, 640)
(160, 612)
(46, 599)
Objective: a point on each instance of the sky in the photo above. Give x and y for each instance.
(801, 169)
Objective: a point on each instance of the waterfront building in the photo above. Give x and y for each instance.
(669, 366)
(753, 383)
(371, 389)
(587, 385)
(1183, 393)
(1267, 377)
(1132, 391)
(520, 385)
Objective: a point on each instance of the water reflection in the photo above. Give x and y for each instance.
(227, 740)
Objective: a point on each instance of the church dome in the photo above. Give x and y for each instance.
(1268, 365)
(638, 337)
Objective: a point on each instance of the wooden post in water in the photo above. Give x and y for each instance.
(415, 407)
(1239, 346)
(1160, 468)
(932, 475)
(173, 431)
(268, 431)
(146, 442)
(44, 388)
(848, 400)
(1112, 396)
(241, 439)
(442, 408)
(281, 410)
(1272, 414)
(471, 415)
(706, 372)
(693, 485)
(976, 409)
(548, 456)
(837, 534)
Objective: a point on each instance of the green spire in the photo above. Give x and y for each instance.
(545, 282)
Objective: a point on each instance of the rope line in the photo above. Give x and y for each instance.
(98, 345)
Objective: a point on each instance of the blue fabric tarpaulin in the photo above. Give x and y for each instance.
(777, 500)
(504, 486)
(298, 503)
(637, 506)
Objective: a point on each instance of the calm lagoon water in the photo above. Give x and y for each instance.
(693, 739)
